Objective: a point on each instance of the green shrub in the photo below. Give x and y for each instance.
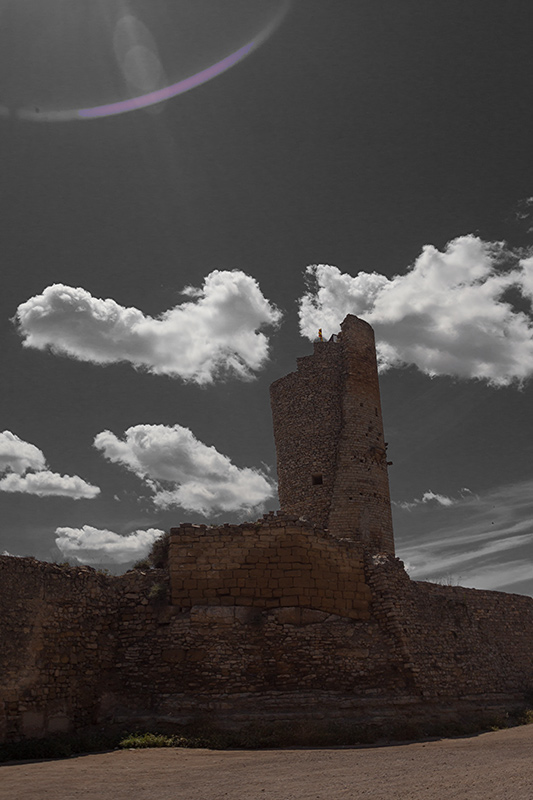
(159, 552)
(144, 563)
(158, 592)
(146, 740)
(157, 558)
(526, 718)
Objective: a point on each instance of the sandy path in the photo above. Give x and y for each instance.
(486, 767)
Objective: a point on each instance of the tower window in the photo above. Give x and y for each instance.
(316, 480)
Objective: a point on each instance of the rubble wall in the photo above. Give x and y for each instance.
(81, 649)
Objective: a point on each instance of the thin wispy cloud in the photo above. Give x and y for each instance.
(447, 315)
(485, 541)
(215, 334)
(501, 577)
(524, 213)
(24, 470)
(182, 471)
(88, 545)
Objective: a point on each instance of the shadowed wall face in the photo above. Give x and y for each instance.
(272, 564)
(332, 463)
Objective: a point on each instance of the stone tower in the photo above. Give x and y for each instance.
(332, 462)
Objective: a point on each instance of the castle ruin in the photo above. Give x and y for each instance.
(303, 615)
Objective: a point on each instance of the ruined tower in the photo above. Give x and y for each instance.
(332, 462)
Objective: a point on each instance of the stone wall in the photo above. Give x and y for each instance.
(360, 504)
(455, 641)
(332, 461)
(58, 643)
(307, 417)
(81, 649)
(270, 564)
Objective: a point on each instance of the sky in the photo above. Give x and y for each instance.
(190, 190)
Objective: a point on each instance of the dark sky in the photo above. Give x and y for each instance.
(357, 133)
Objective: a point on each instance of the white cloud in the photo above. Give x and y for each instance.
(23, 467)
(48, 484)
(429, 497)
(93, 546)
(214, 334)
(447, 314)
(182, 471)
(19, 456)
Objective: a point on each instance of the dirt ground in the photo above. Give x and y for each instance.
(485, 767)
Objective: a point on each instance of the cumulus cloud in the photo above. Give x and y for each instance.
(447, 315)
(24, 470)
(48, 484)
(93, 546)
(182, 471)
(19, 456)
(216, 333)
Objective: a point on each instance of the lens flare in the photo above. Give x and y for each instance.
(170, 91)
(79, 61)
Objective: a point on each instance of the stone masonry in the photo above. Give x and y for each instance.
(332, 460)
(274, 563)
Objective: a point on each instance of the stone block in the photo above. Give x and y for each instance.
(173, 655)
(289, 616)
(247, 615)
(209, 614)
(195, 655)
(285, 582)
(310, 616)
(33, 723)
(59, 723)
